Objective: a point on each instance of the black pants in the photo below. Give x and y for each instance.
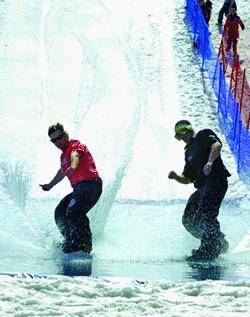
(202, 210)
(225, 10)
(71, 215)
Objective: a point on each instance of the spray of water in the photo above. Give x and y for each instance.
(15, 182)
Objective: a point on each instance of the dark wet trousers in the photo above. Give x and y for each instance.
(225, 10)
(71, 215)
(201, 212)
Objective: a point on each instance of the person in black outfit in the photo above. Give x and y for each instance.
(227, 5)
(205, 169)
(206, 8)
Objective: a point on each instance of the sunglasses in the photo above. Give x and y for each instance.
(58, 138)
(180, 134)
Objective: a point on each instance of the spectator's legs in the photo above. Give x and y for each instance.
(229, 44)
(235, 41)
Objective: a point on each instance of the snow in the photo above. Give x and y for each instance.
(81, 296)
(148, 42)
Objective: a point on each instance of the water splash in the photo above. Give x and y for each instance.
(15, 182)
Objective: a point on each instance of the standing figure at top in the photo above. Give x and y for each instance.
(227, 5)
(231, 30)
(206, 8)
(205, 169)
(71, 214)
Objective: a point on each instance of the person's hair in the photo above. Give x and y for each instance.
(182, 122)
(57, 127)
(183, 125)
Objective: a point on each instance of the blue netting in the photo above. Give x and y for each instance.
(237, 133)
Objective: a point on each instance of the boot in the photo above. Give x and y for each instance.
(202, 254)
(206, 251)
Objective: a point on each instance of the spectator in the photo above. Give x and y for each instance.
(206, 7)
(227, 5)
(231, 29)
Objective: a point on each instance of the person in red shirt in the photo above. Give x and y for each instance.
(71, 214)
(231, 29)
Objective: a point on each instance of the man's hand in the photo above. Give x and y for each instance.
(172, 175)
(179, 178)
(207, 168)
(45, 187)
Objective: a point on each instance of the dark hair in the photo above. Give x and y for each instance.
(182, 122)
(57, 127)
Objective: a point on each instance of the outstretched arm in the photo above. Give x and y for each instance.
(58, 177)
(213, 155)
(179, 178)
(241, 24)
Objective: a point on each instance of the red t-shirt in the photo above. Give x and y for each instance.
(232, 26)
(85, 170)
